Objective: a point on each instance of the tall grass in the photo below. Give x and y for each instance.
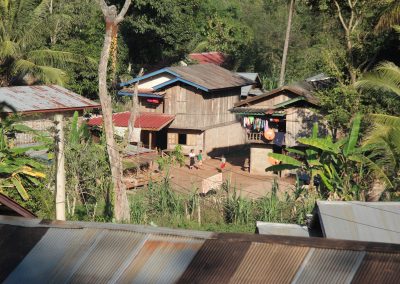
(227, 210)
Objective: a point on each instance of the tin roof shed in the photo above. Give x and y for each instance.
(46, 98)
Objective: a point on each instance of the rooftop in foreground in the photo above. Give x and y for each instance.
(98, 252)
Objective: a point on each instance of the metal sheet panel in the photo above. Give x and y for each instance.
(266, 228)
(57, 252)
(211, 76)
(361, 221)
(216, 262)
(161, 260)
(107, 256)
(41, 98)
(379, 268)
(329, 266)
(269, 263)
(16, 243)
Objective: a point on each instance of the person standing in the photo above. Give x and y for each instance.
(200, 159)
(192, 155)
(223, 162)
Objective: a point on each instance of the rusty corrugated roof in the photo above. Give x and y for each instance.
(36, 99)
(215, 57)
(145, 120)
(80, 252)
(211, 76)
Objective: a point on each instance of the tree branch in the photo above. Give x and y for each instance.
(121, 14)
(103, 6)
(341, 16)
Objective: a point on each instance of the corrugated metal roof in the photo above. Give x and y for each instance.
(269, 263)
(161, 260)
(49, 98)
(79, 252)
(379, 268)
(360, 221)
(211, 76)
(329, 266)
(216, 262)
(17, 242)
(297, 90)
(145, 120)
(215, 57)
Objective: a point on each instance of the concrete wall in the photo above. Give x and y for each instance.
(259, 159)
(221, 139)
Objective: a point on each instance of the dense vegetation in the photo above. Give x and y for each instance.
(356, 42)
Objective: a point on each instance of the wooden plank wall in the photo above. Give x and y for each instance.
(299, 123)
(195, 109)
(144, 106)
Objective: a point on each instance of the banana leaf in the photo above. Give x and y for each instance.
(281, 167)
(20, 188)
(319, 143)
(353, 138)
(286, 159)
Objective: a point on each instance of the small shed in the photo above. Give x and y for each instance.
(37, 105)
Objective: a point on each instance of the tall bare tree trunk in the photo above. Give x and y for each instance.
(286, 46)
(134, 109)
(112, 18)
(60, 176)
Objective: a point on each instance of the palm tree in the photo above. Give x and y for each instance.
(390, 17)
(385, 133)
(20, 59)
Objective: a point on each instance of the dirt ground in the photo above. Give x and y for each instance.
(186, 180)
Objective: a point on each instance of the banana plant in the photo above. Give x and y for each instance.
(18, 171)
(339, 164)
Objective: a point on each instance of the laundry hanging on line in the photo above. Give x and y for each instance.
(255, 123)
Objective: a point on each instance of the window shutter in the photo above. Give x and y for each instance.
(172, 138)
(191, 139)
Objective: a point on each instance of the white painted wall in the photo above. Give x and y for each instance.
(154, 81)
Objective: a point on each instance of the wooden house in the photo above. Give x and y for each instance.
(199, 98)
(275, 120)
(37, 106)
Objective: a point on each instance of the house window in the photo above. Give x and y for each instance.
(182, 138)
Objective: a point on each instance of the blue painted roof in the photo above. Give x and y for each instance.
(172, 81)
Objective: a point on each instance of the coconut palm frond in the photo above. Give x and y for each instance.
(390, 17)
(50, 75)
(54, 58)
(386, 77)
(22, 67)
(45, 74)
(8, 49)
(386, 120)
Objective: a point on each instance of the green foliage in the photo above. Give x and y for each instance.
(344, 169)
(175, 157)
(88, 183)
(338, 105)
(228, 210)
(23, 57)
(18, 171)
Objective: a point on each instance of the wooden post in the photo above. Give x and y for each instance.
(150, 137)
(60, 170)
